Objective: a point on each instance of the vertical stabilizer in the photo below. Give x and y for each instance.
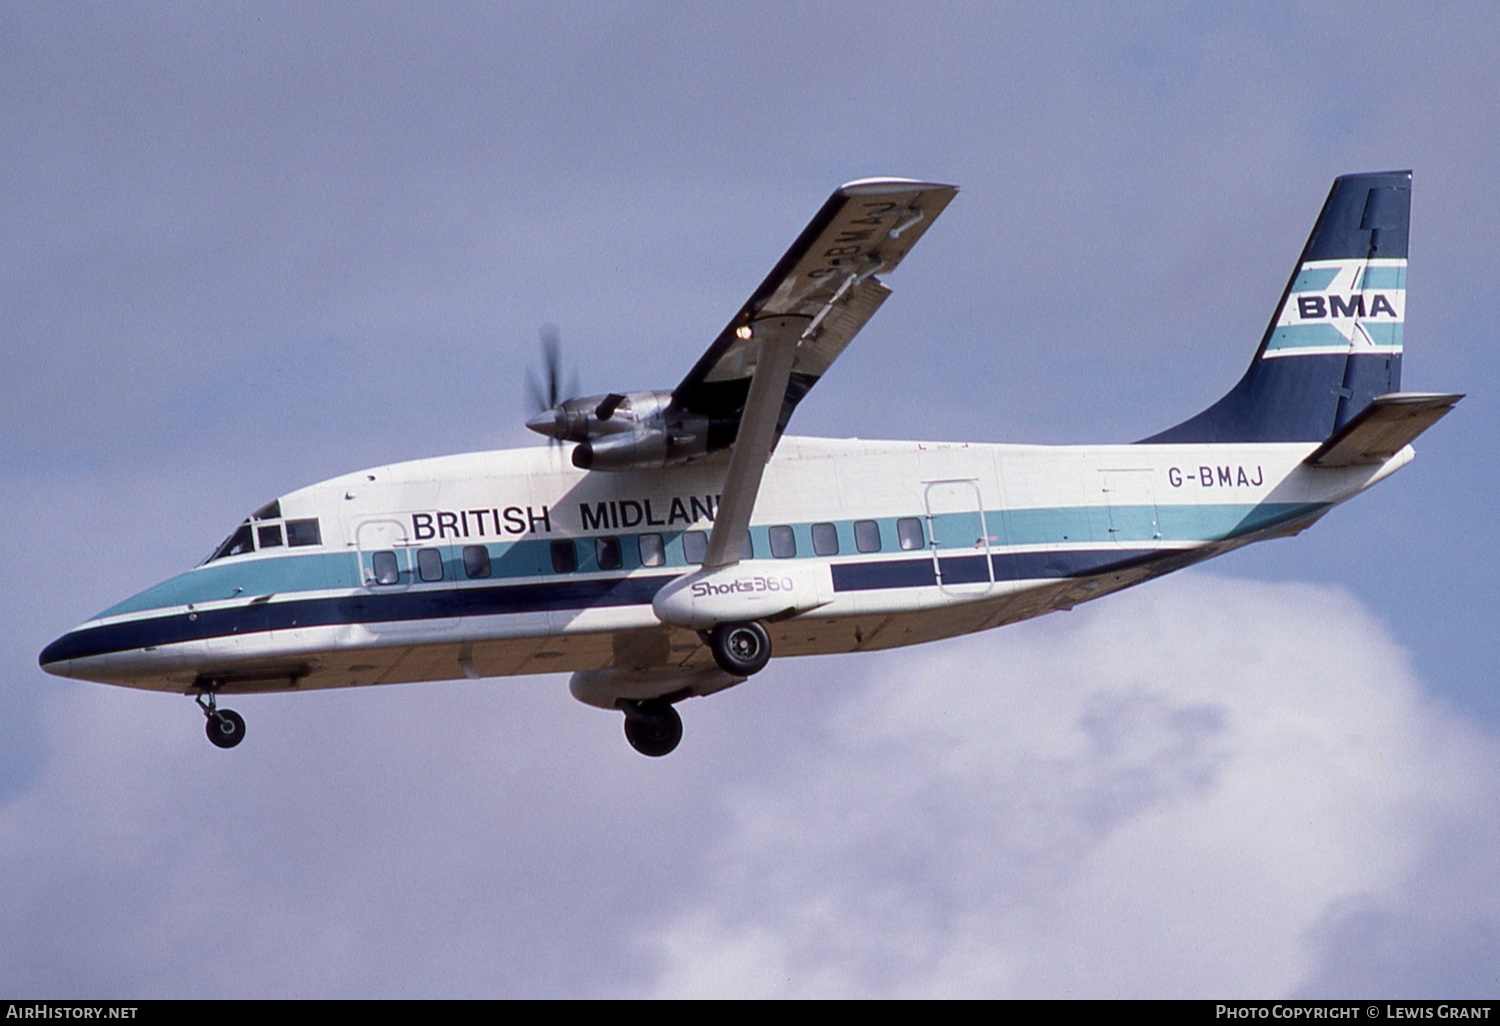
(1335, 341)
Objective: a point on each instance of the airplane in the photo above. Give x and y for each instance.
(686, 537)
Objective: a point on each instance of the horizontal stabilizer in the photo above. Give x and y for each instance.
(1382, 429)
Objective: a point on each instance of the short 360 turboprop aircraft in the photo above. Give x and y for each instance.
(689, 540)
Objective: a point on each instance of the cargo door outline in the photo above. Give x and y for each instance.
(1131, 517)
(959, 535)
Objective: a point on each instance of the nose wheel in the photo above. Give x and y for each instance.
(653, 728)
(225, 727)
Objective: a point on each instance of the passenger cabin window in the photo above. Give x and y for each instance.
(384, 566)
(909, 533)
(564, 556)
(269, 536)
(653, 551)
(430, 564)
(695, 546)
(867, 536)
(825, 539)
(783, 542)
(303, 532)
(476, 561)
(608, 554)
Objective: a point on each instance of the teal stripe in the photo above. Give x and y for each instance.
(1383, 333)
(1132, 524)
(1382, 278)
(243, 577)
(282, 576)
(1314, 279)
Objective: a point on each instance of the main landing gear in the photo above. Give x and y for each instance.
(652, 727)
(225, 727)
(740, 649)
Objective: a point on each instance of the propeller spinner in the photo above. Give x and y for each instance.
(545, 395)
(616, 431)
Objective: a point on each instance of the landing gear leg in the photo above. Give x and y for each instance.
(740, 649)
(653, 728)
(225, 727)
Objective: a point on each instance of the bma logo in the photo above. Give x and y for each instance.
(1312, 308)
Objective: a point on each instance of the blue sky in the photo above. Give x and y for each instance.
(246, 249)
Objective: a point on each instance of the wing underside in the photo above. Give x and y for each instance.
(827, 280)
(1382, 429)
(792, 329)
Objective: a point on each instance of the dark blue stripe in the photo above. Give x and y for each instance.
(897, 573)
(1035, 566)
(963, 569)
(377, 607)
(370, 608)
(1008, 566)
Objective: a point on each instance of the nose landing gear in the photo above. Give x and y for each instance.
(225, 727)
(652, 727)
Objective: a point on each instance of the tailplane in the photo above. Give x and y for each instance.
(1335, 342)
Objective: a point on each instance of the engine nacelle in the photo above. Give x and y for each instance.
(633, 431)
(646, 448)
(757, 589)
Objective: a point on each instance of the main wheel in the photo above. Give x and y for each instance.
(740, 649)
(226, 728)
(653, 728)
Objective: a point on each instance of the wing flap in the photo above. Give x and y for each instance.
(838, 328)
(827, 276)
(794, 326)
(1382, 429)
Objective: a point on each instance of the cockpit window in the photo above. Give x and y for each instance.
(262, 527)
(237, 544)
(303, 532)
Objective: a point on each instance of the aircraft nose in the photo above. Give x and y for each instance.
(551, 423)
(57, 658)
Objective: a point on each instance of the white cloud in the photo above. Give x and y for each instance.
(1203, 787)
(1189, 790)
(459, 839)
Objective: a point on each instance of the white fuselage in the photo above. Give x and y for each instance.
(459, 565)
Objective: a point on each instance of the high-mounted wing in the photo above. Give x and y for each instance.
(794, 326)
(826, 279)
(803, 315)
